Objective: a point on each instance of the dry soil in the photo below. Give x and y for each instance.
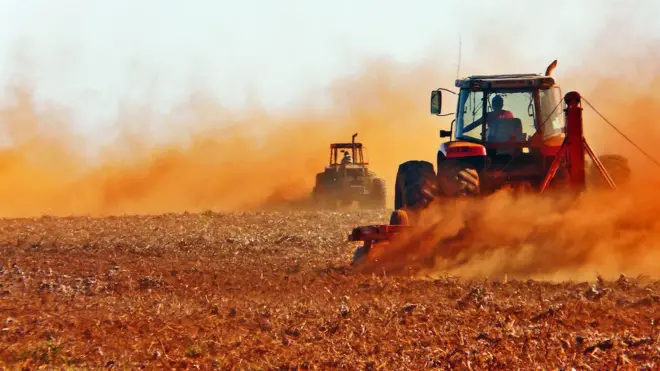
(274, 291)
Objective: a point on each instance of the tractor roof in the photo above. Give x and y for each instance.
(345, 145)
(517, 81)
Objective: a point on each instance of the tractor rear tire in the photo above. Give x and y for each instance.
(317, 196)
(324, 193)
(415, 185)
(319, 188)
(378, 194)
(458, 178)
(617, 167)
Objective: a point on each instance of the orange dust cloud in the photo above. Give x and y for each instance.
(238, 160)
(557, 238)
(228, 160)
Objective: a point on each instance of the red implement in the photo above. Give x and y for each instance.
(375, 233)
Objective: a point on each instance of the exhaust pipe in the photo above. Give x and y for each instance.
(353, 144)
(551, 67)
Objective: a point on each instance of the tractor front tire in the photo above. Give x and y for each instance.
(616, 166)
(458, 178)
(415, 185)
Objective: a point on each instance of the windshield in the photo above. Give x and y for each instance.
(469, 110)
(510, 115)
(552, 110)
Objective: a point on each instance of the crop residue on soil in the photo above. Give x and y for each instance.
(272, 290)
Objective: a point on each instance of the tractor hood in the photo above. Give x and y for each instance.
(460, 148)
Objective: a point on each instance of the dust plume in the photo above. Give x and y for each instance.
(558, 238)
(226, 160)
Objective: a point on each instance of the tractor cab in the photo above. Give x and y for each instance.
(504, 123)
(517, 109)
(347, 178)
(349, 155)
(347, 162)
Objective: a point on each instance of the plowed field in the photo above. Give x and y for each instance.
(274, 291)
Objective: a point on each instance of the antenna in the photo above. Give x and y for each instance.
(458, 67)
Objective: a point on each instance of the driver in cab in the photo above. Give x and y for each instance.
(497, 113)
(347, 160)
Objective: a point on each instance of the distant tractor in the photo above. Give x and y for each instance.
(347, 179)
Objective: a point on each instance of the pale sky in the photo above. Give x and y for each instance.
(92, 55)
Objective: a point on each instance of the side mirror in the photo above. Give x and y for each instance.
(445, 133)
(436, 102)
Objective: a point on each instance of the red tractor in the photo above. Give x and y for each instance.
(509, 131)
